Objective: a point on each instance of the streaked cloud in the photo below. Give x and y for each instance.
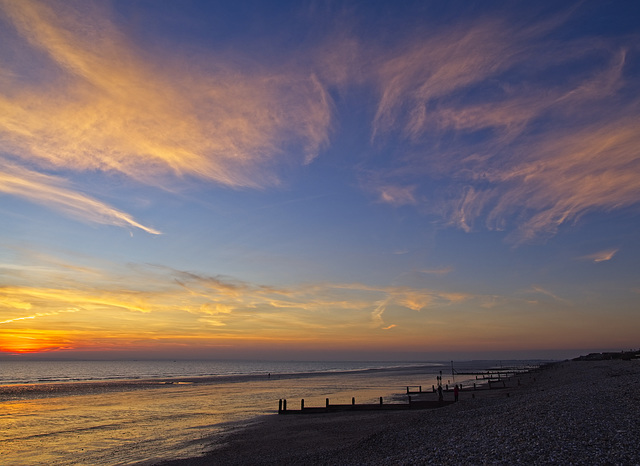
(464, 101)
(167, 302)
(37, 315)
(397, 195)
(252, 150)
(145, 306)
(601, 256)
(539, 289)
(108, 106)
(52, 192)
(488, 142)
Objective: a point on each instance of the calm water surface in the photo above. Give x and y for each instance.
(140, 412)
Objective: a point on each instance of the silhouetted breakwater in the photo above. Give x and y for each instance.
(381, 406)
(419, 399)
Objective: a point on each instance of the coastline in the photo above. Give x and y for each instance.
(582, 412)
(144, 421)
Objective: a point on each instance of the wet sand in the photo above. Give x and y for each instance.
(578, 412)
(147, 421)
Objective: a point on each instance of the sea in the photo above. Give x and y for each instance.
(144, 412)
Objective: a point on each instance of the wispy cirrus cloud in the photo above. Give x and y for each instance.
(168, 303)
(38, 315)
(601, 256)
(109, 106)
(486, 140)
(539, 289)
(397, 195)
(52, 192)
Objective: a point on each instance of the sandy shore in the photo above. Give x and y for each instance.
(575, 412)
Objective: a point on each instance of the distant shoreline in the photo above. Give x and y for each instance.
(583, 411)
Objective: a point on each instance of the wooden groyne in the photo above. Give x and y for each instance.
(381, 406)
(497, 374)
(491, 380)
(488, 384)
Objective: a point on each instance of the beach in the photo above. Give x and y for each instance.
(144, 412)
(572, 412)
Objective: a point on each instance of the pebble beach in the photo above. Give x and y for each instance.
(572, 412)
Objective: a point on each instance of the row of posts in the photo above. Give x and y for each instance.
(282, 403)
(446, 387)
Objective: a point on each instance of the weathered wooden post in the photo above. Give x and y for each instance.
(353, 401)
(420, 388)
(474, 385)
(280, 406)
(433, 387)
(407, 389)
(381, 400)
(327, 402)
(284, 404)
(302, 405)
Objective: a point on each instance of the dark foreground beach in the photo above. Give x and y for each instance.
(574, 412)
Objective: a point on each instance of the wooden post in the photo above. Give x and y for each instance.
(433, 387)
(407, 389)
(327, 402)
(446, 388)
(474, 385)
(409, 399)
(302, 405)
(420, 388)
(380, 400)
(280, 405)
(353, 401)
(284, 405)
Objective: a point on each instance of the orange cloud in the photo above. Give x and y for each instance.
(34, 341)
(144, 304)
(109, 106)
(50, 191)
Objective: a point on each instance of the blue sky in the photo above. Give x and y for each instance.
(319, 180)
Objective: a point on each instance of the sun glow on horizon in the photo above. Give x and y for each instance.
(377, 177)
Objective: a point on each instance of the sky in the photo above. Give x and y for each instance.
(319, 179)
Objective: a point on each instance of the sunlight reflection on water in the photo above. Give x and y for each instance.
(124, 424)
